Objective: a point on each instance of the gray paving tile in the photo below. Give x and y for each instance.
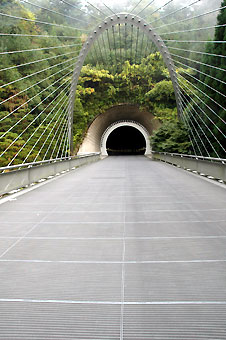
(19, 217)
(66, 250)
(34, 207)
(174, 322)
(180, 249)
(15, 229)
(5, 244)
(78, 230)
(175, 282)
(59, 321)
(85, 217)
(164, 216)
(60, 281)
(144, 206)
(84, 207)
(167, 229)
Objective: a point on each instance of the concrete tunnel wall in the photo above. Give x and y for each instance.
(92, 140)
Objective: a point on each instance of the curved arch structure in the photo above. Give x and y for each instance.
(121, 18)
(112, 127)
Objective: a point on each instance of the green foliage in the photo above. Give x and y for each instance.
(99, 89)
(34, 90)
(212, 116)
(172, 136)
(130, 78)
(162, 92)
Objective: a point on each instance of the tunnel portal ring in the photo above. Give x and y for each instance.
(118, 124)
(108, 22)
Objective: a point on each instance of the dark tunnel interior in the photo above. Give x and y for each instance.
(126, 140)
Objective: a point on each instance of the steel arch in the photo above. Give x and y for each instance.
(110, 21)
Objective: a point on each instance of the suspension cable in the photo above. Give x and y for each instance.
(72, 5)
(195, 17)
(194, 29)
(158, 9)
(198, 105)
(3, 135)
(174, 12)
(97, 9)
(63, 116)
(43, 144)
(131, 43)
(59, 135)
(35, 130)
(35, 73)
(109, 8)
(195, 41)
(113, 32)
(223, 121)
(39, 49)
(95, 52)
(65, 143)
(146, 49)
(62, 144)
(125, 42)
(136, 6)
(105, 49)
(199, 62)
(41, 22)
(37, 35)
(149, 4)
(190, 131)
(65, 95)
(28, 124)
(193, 116)
(52, 11)
(37, 61)
(141, 49)
(185, 105)
(210, 87)
(108, 38)
(92, 56)
(61, 124)
(197, 70)
(10, 113)
(198, 52)
(136, 44)
(120, 46)
(98, 43)
(63, 139)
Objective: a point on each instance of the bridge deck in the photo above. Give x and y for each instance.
(125, 248)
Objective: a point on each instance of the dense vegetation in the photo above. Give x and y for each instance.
(31, 80)
(147, 84)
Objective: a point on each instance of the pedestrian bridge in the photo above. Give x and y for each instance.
(123, 247)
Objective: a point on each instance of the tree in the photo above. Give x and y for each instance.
(171, 137)
(214, 123)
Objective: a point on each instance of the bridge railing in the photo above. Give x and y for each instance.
(19, 176)
(208, 166)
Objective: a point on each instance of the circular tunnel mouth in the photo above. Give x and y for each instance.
(125, 140)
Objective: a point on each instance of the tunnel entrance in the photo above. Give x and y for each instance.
(125, 140)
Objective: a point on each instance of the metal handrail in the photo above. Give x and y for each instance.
(221, 160)
(29, 165)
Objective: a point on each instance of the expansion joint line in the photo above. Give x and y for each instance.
(123, 264)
